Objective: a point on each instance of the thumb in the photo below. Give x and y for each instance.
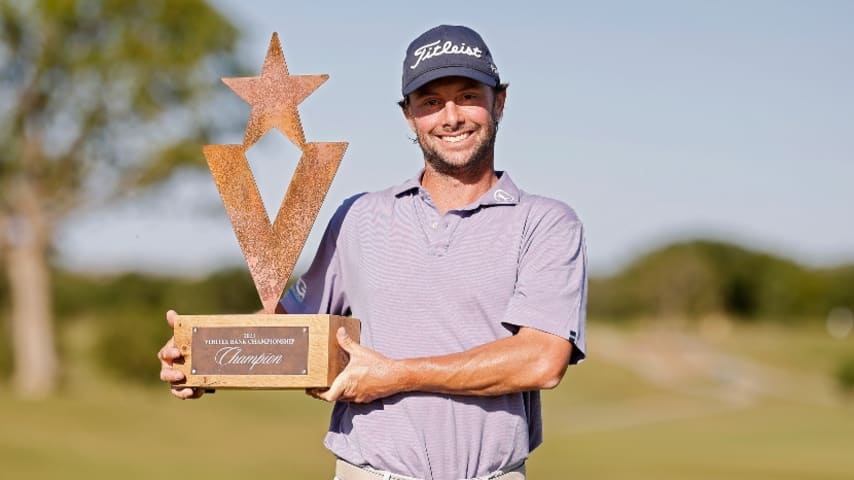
(345, 341)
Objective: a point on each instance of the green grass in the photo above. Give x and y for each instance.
(141, 433)
(737, 407)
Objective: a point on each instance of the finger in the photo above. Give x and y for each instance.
(315, 392)
(171, 316)
(171, 375)
(187, 392)
(199, 392)
(168, 351)
(335, 391)
(168, 354)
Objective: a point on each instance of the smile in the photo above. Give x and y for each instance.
(456, 138)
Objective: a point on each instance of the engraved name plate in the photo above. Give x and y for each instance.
(250, 351)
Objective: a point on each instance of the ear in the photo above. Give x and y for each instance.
(498, 104)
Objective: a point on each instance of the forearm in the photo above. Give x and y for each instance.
(529, 360)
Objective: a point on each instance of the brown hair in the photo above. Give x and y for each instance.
(501, 87)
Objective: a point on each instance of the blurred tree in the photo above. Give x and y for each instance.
(95, 96)
(701, 277)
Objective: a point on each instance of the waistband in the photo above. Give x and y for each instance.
(347, 471)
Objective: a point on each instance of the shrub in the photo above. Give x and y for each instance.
(5, 348)
(845, 375)
(134, 328)
(128, 342)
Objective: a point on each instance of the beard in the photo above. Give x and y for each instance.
(480, 157)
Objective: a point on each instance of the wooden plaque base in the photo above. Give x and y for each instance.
(262, 351)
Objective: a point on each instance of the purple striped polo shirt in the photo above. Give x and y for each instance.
(426, 284)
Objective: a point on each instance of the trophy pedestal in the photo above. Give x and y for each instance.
(261, 351)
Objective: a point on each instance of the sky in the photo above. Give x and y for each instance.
(657, 121)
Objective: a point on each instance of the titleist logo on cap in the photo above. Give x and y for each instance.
(447, 51)
(434, 49)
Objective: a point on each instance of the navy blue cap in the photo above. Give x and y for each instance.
(447, 51)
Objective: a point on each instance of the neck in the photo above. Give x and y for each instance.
(451, 191)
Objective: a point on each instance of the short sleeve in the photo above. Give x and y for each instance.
(320, 289)
(551, 287)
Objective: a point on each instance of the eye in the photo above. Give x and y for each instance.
(469, 98)
(428, 105)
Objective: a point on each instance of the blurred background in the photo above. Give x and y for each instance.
(708, 147)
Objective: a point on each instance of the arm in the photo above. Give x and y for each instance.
(550, 293)
(529, 360)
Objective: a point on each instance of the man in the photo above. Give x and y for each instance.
(471, 292)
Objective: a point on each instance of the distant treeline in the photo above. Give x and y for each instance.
(127, 313)
(689, 280)
(698, 278)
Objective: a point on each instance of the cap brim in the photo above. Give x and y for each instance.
(443, 72)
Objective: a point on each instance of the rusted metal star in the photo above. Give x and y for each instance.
(274, 97)
(271, 248)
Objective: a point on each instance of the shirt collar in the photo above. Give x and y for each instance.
(504, 192)
(413, 183)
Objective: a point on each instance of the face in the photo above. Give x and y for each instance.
(455, 120)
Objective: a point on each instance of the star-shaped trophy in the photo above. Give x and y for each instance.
(268, 351)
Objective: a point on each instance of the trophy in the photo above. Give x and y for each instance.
(266, 350)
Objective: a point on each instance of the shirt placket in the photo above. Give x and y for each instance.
(438, 229)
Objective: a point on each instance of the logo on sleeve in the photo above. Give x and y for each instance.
(300, 289)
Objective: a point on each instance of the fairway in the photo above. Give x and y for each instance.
(662, 404)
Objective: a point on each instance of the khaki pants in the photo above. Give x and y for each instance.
(348, 471)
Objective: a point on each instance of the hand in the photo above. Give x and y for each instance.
(367, 377)
(167, 356)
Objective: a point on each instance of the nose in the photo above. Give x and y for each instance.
(451, 115)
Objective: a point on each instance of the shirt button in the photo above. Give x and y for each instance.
(434, 225)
